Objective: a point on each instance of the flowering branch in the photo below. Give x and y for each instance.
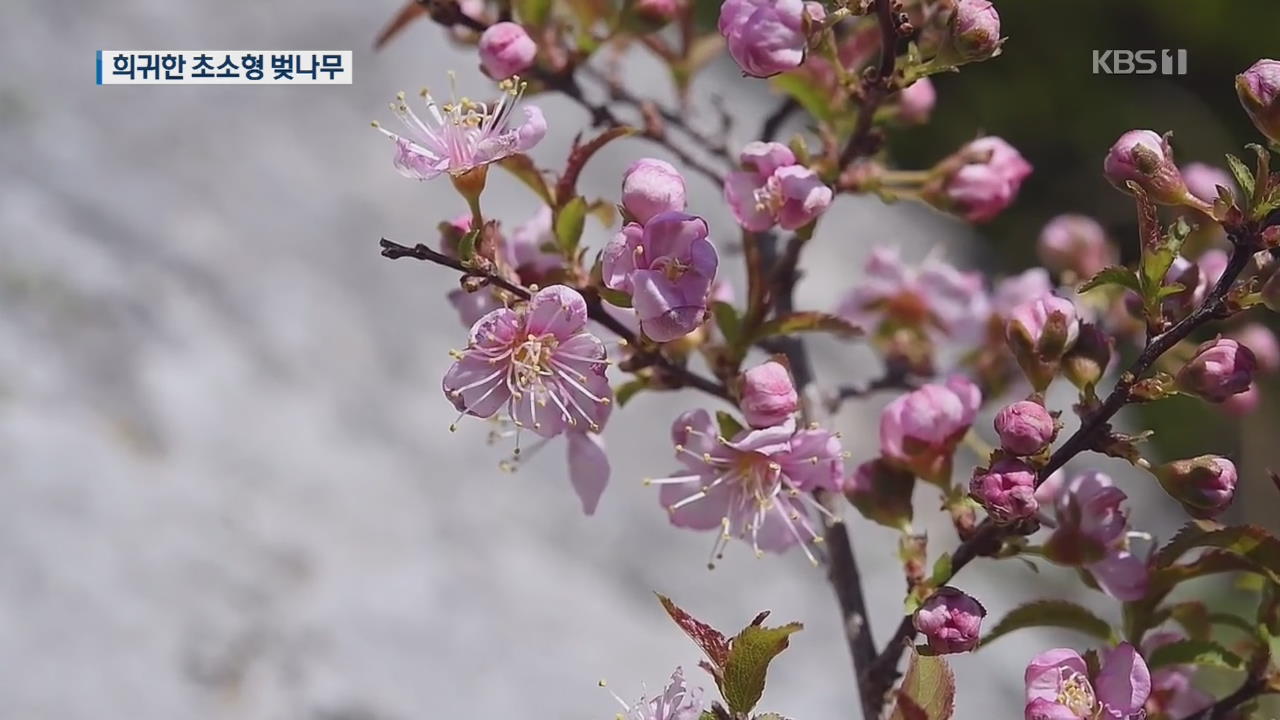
(678, 375)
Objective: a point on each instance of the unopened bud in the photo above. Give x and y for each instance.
(506, 50)
(1204, 485)
(975, 30)
(1259, 91)
(768, 395)
(650, 187)
(950, 621)
(1086, 362)
(1145, 158)
(1025, 427)
(1006, 489)
(1040, 332)
(1221, 368)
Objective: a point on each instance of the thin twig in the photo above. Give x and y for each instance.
(678, 375)
(716, 146)
(773, 121)
(877, 89)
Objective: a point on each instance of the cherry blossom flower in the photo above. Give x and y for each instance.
(921, 429)
(1091, 530)
(463, 134)
(677, 702)
(667, 266)
(773, 189)
(766, 37)
(935, 297)
(1172, 693)
(755, 486)
(1058, 686)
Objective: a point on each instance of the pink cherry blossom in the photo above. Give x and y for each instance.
(651, 187)
(462, 135)
(667, 266)
(921, 429)
(756, 486)
(1006, 490)
(1017, 289)
(981, 189)
(1203, 180)
(1091, 530)
(1220, 368)
(768, 395)
(935, 297)
(766, 37)
(506, 49)
(950, 621)
(538, 363)
(1076, 243)
(1261, 340)
(1058, 686)
(1172, 692)
(1025, 427)
(677, 702)
(774, 190)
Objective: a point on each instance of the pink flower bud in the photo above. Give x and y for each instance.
(975, 30)
(1242, 404)
(916, 101)
(987, 182)
(1075, 243)
(651, 186)
(506, 49)
(768, 395)
(950, 621)
(921, 428)
(1040, 332)
(1204, 485)
(1203, 180)
(1221, 368)
(1259, 91)
(1006, 489)
(1025, 427)
(1262, 341)
(766, 37)
(1145, 158)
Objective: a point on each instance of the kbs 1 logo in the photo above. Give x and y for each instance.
(1139, 62)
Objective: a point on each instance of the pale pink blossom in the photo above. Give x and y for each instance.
(950, 621)
(677, 702)
(756, 486)
(983, 187)
(505, 50)
(934, 297)
(1172, 693)
(1006, 490)
(1222, 367)
(921, 428)
(916, 101)
(1145, 158)
(462, 135)
(1203, 180)
(667, 266)
(1091, 530)
(651, 187)
(773, 189)
(768, 395)
(1012, 291)
(1025, 427)
(766, 37)
(1058, 686)
(1259, 92)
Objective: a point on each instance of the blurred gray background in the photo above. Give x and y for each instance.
(228, 487)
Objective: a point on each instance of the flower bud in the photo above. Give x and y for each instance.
(1006, 489)
(766, 37)
(506, 49)
(950, 621)
(1025, 428)
(1040, 332)
(1204, 485)
(916, 101)
(768, 395)
(651, 186)
(1077, 244)
(1087, 360)
(1145, 158)
(1242, 404)
(1203, 180)
(1221, 368)
(1262, 341)
(975, 30)
(981, 179)
(1259, 91)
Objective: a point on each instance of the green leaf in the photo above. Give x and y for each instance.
(712, 641)
(1262, 177)
(728, 424)
(570, 222)
(707, 715)
(1193, 652)
(814, 99)
(811, 321)
(1051, 613)
(627, 390)
(617, 298)
(749, 656)
(928, 690)
(1249, 542)
(1113, 275)
(1242, 174)
(1163, 580)
(728, 321)
(1157, 258)
(467, 246)
(941, 570)
(522, 167)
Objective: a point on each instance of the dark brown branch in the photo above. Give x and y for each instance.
(1253, 686)
(988, 537)
(715, 146)
(773, 122)
(677, 375)
(877, 88)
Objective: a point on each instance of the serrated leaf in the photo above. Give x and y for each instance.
(728, 321)
(1162, 580)
(1193, 652)
(1170, 289)
(728, 424)
(1113, 275)
(810, 321)
(1262, 176)
(927, 692)
(1249, 542)
(467, 245)
(570, 221)
(1242, 174)
(522, 167)
(1051, 613)
(748, 663)
(712, 641)
(805, 91)
(1157, 258)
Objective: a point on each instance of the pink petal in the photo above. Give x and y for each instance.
(1044, 676)
(1122, 575)
(588, 468)
(1124, 683)
(532, 130)
(476, 386)
(765, 157)
(619, 258)
(739, 194)
(556, 310)
(703, 514)
(671, 234)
